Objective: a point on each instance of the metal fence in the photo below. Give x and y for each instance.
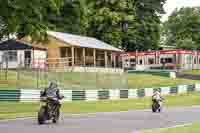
(30, 76)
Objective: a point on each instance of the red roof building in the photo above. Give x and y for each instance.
(163, 59)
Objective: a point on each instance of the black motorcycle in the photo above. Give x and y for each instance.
(50, 110)
(156, 107)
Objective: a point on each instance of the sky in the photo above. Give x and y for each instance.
(172, 4)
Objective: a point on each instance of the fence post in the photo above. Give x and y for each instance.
(96, 79)
(37, 76)
(18, 73)
(46, 75)
(6, 73)
(1, 69)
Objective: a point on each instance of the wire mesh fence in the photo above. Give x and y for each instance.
(32, 76)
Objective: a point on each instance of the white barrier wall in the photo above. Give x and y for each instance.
(30, 95)
(114, 94)
(197, 87)
(67, 94)
(148, 91)
(105, 94)
(92, 95)
(132, 93)
(182, 89)
(165, 90)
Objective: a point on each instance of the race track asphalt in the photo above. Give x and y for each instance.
(115, 122)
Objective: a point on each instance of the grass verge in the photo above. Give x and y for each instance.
(192, 72)
(149, 81)
(9, 110)
(28, 80)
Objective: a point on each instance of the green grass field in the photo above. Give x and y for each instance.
(195, 128)
(148, 81)
(67, 80)
(29, 80)
(17, 109)
(192, 72)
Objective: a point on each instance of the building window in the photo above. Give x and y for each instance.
(132, 60)
(195, 60)
(166, 60)
(188, 59)
(169, 60)
(151, 61)
(140, 62)
(11, 55)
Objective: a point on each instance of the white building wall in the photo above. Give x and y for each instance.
(39, 58)
(20, 58)
(1, 56)
(40, 54)
(187, 64)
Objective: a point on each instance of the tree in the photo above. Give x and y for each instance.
(106, 19)
(23, 17)
(186, 43)
(147, 24)
(73, 17)
(182, 28)
(143, 17)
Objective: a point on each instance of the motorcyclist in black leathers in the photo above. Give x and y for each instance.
(52, 93)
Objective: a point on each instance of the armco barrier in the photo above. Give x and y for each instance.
(24, 95)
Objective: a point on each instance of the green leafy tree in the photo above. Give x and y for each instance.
(186, 43)
(73, 17)
(26, 17)
(182, 29)
(143, 17)
(147, 24)
(106, 19)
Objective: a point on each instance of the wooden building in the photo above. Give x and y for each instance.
(65, 51)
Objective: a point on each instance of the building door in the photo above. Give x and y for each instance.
(27, 58)
(63, 52)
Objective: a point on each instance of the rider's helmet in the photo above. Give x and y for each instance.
(157, 92)
(53, 84)
(157, 95)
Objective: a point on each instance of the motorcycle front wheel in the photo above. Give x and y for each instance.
(42, 115)
(153, 108)
(57, 115)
